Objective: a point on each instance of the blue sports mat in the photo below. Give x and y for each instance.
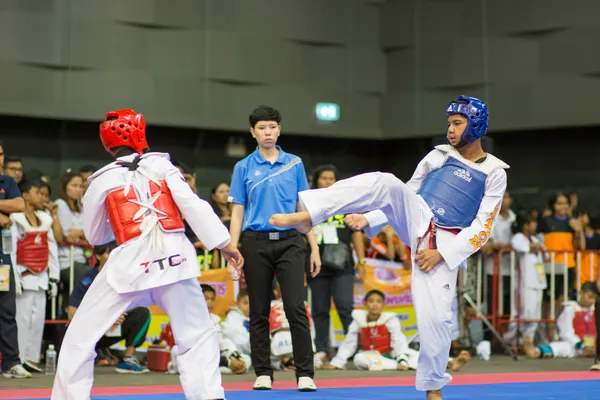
(568, 390)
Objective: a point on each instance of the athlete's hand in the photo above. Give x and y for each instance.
(234, 273)
(356, 222)
(427, 259)
(235, 261)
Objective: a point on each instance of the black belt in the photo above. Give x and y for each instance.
(273, 235)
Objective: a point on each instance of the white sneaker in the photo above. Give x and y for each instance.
(263, 382)
(17, 372)
(596, 367)
(306, 384)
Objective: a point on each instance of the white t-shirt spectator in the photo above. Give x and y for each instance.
(501, 233)
(69, 220)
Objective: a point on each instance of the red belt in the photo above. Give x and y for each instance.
(432, 230)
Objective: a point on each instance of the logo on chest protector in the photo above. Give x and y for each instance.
(464, 174)
(172, 261)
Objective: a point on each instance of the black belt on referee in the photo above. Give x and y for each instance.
(273, 235)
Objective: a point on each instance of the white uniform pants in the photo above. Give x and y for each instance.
(531, 308)
(195, 335)
(564, 350)
(367, 360)
(31, 313)
(409, 215)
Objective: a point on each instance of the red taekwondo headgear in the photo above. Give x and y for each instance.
(124, 128)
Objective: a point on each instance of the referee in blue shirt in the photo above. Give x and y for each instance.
(267, 182)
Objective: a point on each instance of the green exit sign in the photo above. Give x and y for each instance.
(327, 111)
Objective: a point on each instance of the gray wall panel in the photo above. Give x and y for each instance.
(391, 65)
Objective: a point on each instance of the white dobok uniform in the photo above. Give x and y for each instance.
(226, 346)
(35, 258)
(237, 327)
(381, 344)
(576, 328)
(529, 288)
(154, 263)
(454, 197)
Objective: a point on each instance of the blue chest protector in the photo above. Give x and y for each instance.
(453, 192)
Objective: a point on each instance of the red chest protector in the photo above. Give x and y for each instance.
(167, 336)
(278, 319)
(584, 324)
(376, 338)
(32, 251)
(121, 212)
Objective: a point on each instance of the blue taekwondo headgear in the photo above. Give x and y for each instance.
(476, 113)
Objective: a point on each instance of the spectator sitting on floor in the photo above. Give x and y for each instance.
(576, 327)
(132, 326)
(231, 360)
(237, 323)
(381, 343)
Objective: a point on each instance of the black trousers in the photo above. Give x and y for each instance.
(9, 344)
(133, 329)
(283, 258)
(323, 289)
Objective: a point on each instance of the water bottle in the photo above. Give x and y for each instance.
(7, 243)
(51, 360)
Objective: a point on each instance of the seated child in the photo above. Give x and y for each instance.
(379, 337)
(231, 360)
(236, 325)
(381, 343)
(576, 327)
(281, 337)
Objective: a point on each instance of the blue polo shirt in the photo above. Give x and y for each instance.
(8, 191)
(265, 189)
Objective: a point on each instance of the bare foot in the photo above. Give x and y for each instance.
(434, 395)
(328, 367)
(529, 348)
(402, 367)
(301, 221)
(460, 361)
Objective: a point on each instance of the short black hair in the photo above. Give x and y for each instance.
(45, 185)
(207, 288)
(373, 293)
(8, 159)
(34, 174)
(589, 287)
(27, 184)
(103, 248)
(88, 168)
(555, 197)
(521, 221)
(264, 113)
(242, 293)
